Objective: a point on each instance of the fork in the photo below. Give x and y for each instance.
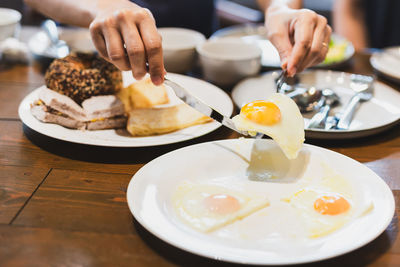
(280, 81)
(363, 86)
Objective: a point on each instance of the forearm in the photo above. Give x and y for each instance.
(348, 21)
(264, 4)
(73, 12)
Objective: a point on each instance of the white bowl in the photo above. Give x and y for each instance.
(227, 61)
(77, 39)
(9, 23)
(179, 48)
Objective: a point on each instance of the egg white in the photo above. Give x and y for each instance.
(188, 204)
(329, 184)
(288, 133)
(317, 224)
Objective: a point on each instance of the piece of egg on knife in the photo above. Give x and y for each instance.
(278, 117)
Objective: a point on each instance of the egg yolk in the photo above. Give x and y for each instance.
(221, 204)
(262, 112)
(331, 205)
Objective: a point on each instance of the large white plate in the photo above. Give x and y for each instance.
(376, 115)
(150, 191)
(119, 138)
(270, 56)
(387, 62)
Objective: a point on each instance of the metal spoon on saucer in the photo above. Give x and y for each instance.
(307, 99)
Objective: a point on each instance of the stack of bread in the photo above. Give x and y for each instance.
(85, 92)
(146, 117)
(80, 94)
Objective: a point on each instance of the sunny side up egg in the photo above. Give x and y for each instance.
(328, 203)
(207, 207)
(278, 117)
(321, 212)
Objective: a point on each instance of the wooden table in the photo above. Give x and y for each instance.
(64, 204)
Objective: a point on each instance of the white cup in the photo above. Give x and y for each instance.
(179, 48)
(226, 61)
(9, 23)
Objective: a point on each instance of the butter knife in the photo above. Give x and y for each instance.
(203, 108)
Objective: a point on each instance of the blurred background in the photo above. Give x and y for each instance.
(230, 12)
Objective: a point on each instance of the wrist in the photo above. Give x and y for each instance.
(105, 6)
(276, 6)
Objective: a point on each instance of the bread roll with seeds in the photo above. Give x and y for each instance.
(81, 76)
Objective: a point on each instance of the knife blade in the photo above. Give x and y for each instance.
(203, 108)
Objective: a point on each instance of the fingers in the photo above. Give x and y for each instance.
(281, 40)
(98, 39)
(304, 26)
(324, 47)
(153, 47)
(128, 38)
(115, 48)
(134, 49)
(319, 47)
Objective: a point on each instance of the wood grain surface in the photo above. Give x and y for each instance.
(64, 204)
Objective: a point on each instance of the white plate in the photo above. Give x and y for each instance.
(387, 62)
(270, 56)
(150, 191)
(118, 138)
(376, 115)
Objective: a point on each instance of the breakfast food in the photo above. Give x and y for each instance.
(265, 213)
(152, 121)
(81, 76)
(321, 212)
(327, 203)
(143, 94)
(207, 207)
(96, 113)
(85, 92)
(278, 117)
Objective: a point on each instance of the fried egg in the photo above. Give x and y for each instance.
(278, 117)
(327, 204)
(321, 212)
(207, 207)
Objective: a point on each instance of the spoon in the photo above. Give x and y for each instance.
(307, 99)
(330, 98)
(58, 48)
(364, 88)
(285, 84)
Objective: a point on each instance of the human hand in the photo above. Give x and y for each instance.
(126, 35)
(300, 36)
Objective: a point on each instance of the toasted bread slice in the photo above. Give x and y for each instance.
(153, 121)
(143, 94)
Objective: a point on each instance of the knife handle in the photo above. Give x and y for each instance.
(348, 113)
(319, 119)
